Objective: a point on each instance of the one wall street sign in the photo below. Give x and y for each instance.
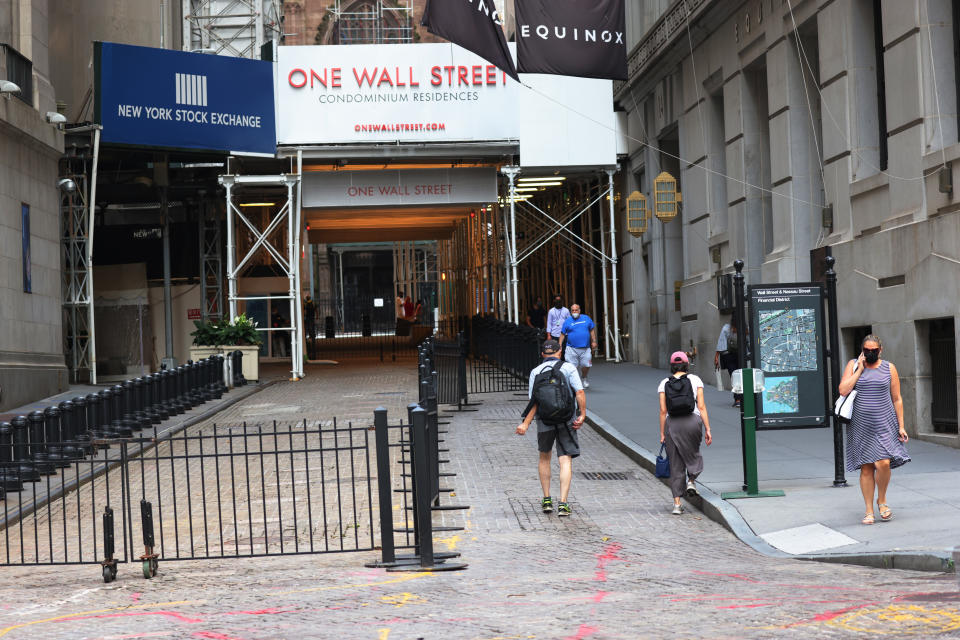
(173, 99)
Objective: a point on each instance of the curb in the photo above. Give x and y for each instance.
(12, 517)
(720, 511)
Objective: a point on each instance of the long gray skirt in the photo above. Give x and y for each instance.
(683, 437)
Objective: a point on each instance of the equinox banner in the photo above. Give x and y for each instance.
(475, 25)
(585, 38)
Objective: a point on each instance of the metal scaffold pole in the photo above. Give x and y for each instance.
(511, 173)
(613, 269)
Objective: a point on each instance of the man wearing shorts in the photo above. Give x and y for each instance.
(564, 436)
(579, 339)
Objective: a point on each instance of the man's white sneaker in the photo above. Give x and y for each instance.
(586, 385)
(677, 509)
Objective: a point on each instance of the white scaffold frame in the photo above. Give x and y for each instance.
(512, 172)
(289, 213)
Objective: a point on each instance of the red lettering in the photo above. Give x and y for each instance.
(385, 77)
(477, 75)
(295, 85)
(449, 71)
(413, 83)
(397, 77)
(491, 75)
(336, 80)
(462, 76)
(435, 78)
(367, 77)
(323, 80)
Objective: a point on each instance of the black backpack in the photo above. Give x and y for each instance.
(553, 396)
(678, 393)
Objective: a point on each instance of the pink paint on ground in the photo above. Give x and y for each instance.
(170, 614)
(136, 597)
(259, 612)
(584, 631)
(213, 635)
(600, 595)
(829, 615)
(603, 559)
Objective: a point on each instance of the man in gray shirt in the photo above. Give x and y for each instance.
(564, 435)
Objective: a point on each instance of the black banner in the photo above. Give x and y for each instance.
(585, 38)
(475, 25)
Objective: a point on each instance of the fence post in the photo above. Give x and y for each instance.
(388, 554)
(839, 480)
(109, 563)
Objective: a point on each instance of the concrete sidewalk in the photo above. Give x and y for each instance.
(814, 520)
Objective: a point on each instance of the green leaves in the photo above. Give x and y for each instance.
(242, 331)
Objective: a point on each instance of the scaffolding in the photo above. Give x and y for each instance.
(211, 262)
(237, 28)
(78, 176)
(373, 21)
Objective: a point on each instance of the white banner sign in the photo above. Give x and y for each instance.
(381, 93)
(438, 92)
(399, 188)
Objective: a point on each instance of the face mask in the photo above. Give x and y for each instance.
(871, 355)
(557, 305)
(575, 315)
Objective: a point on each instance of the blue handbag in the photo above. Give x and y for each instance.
(663, 463)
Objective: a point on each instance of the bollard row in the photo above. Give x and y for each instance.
(43, 442)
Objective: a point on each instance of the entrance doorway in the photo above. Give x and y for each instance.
(943, 349)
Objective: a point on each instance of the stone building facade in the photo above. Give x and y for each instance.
(31, 339)
(792, 127)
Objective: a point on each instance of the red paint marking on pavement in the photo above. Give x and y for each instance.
(136, 597)
(213, 635)
(171, 614)
(609, 555)
(828, 615)
(584, 631)
(750, 606)
(600, 595)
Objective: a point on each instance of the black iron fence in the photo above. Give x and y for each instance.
(47, 456)
(503, 355)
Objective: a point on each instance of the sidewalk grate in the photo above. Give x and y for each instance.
(606, 475)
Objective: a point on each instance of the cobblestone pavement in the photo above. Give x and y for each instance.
(620, 567)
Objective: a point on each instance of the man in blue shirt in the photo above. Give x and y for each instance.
(578, 339)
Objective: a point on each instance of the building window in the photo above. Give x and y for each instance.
(25, 241)
(19, 72)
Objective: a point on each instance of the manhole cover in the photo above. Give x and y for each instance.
(606, 475)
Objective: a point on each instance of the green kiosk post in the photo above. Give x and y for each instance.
(747, 377)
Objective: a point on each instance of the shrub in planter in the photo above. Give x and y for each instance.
(241, 331)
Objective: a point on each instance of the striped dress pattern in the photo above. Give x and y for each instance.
(873, 430)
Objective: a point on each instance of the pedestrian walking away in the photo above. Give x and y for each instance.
(578, 339)
(537, 315)
(727, 354)
(683, 424)
(876, 437)
(310, 318)
(559, 405)
(556, 317)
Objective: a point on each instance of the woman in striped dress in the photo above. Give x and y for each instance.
(876, 439)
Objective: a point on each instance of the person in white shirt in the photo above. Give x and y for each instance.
(556, 317)
(726, 356)
(683, 416)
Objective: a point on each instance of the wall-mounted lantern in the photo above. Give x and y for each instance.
(666, 198)
(638, 215)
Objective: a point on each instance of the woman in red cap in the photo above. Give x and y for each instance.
(683, 423)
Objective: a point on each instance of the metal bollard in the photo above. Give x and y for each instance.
(183, 398)
(209, 378)
(38, 448)
(150, 412)
(220, 376)
(193, 395)
(238, 379)
(120, 424)
(53, 437)
(157, 400)
(106, 414)
(139, 409)
(21, 450)
(9, 475)
(72, 447)
(87, 415)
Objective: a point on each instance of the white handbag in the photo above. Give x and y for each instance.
(844, 407)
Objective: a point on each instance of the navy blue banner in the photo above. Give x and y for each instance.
(173, 99)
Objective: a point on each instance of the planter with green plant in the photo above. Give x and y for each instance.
(221, 336)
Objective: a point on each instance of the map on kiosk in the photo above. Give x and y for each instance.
(788, 340)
